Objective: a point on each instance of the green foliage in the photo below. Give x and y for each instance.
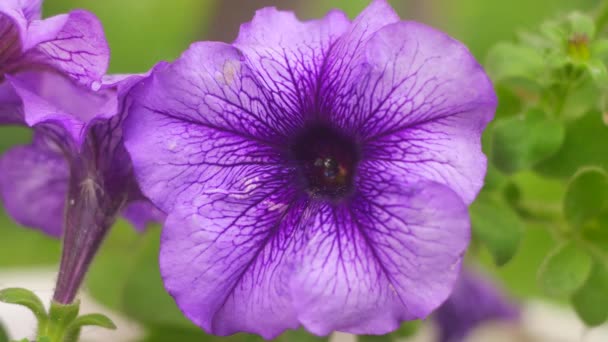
(565, 270)
(497, 227)
(591, 300)
(3, 334)
(586, 196)
(584, 145)
(507, 61)
(522, 142)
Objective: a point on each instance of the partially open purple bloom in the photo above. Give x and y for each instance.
(475, 300)
(76, 177)
(72, 44)
(314, 173)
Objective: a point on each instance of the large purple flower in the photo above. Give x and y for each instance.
(475, 300)
(76, 177)
(314, 173)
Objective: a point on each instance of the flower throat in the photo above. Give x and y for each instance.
(326, 160)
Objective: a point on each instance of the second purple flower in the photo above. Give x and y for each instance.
(314, 173)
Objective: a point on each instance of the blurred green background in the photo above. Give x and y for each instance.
(142, 32)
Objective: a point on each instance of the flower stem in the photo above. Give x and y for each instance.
(88, 217)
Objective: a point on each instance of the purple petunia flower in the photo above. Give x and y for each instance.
(475, 300)
(76, 176)
(314, 173)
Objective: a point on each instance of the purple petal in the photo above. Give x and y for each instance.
(392, 255)
(79, 48)
(32, 9)
(287, 56)
(13, 26)
(50, 98)
(11, 111)
(142, 213)
(475, 300)
(207, 122)
(33, 184)
(227, 257)
(421, 107)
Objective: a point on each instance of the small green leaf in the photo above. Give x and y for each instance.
(407, 329)
(564, 270)
(497, 226)
(591, 300)
(599, 73)
(25, 298)
(508, 61)
(144, 297)
(95, 319)
(374, 338)
(586, 196)
(300, 336)
(521, 142)
(599, 49)
(584, 145)
(3, 334)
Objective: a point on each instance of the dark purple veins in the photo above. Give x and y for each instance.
(326, 160)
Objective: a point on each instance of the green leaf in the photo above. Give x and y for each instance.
(584, 145)
(407, 329)
(300, 336)
(374, 338)
(564, 270)
(508, 61)
(95, 319)
(144, 297)
(3, 334)
(25, 298)
(586, 196)
(520, 143)
(599, 73)
(497, 226)
(591, 300)
(116, 257)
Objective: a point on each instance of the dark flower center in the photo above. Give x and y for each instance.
(326, 160)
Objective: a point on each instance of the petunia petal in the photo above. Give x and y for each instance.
(227, 256)
(50, 98)
(78, 48)
(32, 9)
(141, 213)
(13, 26)
(202, 118)
(392, 254)
(10, 105)
(474, 301)
(33, 185)
(421, 107)
(288, 57)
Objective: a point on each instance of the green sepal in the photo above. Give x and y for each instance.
(599, 73)
(96, 319)
(27, 298)
(564, 270)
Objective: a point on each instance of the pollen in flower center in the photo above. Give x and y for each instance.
(326, 160)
